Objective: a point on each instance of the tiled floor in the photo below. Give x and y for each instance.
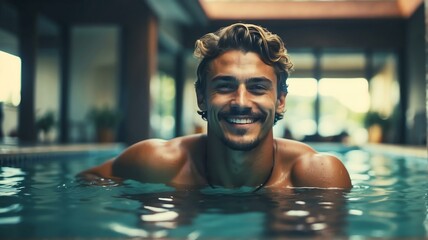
(15, 149)
(400, 150)
(10, 149)
(15, 154)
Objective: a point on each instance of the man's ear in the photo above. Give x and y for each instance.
(280, 103)
(201, 101)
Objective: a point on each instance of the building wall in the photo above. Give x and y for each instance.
(93, 80)
(9, 44)
(415, 79)
(47, 87)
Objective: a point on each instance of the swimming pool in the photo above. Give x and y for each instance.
(42, 199)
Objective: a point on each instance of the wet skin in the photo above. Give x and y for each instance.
(239, 149)
(241, 99)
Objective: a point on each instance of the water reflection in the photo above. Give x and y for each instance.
(389, 199)
(308, 213)
(272, 213)
(11, 179)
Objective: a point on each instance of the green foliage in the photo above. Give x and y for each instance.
(46, 121)
(104, 117)
(373, 118)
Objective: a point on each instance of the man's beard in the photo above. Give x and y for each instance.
(239, 146)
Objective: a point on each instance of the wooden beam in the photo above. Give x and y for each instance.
(238, 10)
(28, 53)
(138, 68)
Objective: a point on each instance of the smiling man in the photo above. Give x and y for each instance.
(241, 91)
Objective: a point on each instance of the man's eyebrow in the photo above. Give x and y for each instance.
(224, 78)
(232, 79)
(259, 79)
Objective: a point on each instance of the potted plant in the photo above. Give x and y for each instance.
(376, 125)
(105, 121)
(45, 123)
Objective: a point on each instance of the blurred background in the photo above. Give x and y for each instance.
(77, 71)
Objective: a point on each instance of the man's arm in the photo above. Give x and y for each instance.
(102, 171)
(322, 171)
(147, 161)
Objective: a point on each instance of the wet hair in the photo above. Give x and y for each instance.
(246, 38)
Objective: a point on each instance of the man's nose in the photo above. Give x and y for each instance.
(241, 96)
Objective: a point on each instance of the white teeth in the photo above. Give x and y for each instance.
(240, 120)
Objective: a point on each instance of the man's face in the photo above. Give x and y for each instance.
(241, 99)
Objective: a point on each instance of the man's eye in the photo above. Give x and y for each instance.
(224, 87)
(258, 88)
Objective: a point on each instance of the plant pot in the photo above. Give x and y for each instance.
(105, 135)
(375, 133)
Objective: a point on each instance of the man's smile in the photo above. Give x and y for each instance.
(241, 120)
(241, 117)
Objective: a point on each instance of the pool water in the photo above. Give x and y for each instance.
(43, 199)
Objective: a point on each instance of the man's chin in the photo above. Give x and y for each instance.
(240, 145)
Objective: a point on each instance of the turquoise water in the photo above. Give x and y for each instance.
(44, 200)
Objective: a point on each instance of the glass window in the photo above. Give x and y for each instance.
(10, 79)
(162, 119)
(342, 64)
(344, 103)
(299, 116)
(337, 98)
(384, 85)
(385, 109)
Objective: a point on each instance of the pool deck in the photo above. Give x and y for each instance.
(12, 151)
(399, 150)
(59, 148)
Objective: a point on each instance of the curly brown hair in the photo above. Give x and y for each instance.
(247, 38)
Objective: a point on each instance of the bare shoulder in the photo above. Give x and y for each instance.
(312, 169)
(293, 149)
(152, 160)
(320, 170)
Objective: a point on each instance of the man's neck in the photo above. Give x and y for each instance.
(234, 168)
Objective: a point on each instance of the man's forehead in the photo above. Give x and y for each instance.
(240, 62)
(238, 57)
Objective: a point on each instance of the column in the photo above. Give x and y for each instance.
(65, 83)
(138, 67)
(180, 79)
(28, 53)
